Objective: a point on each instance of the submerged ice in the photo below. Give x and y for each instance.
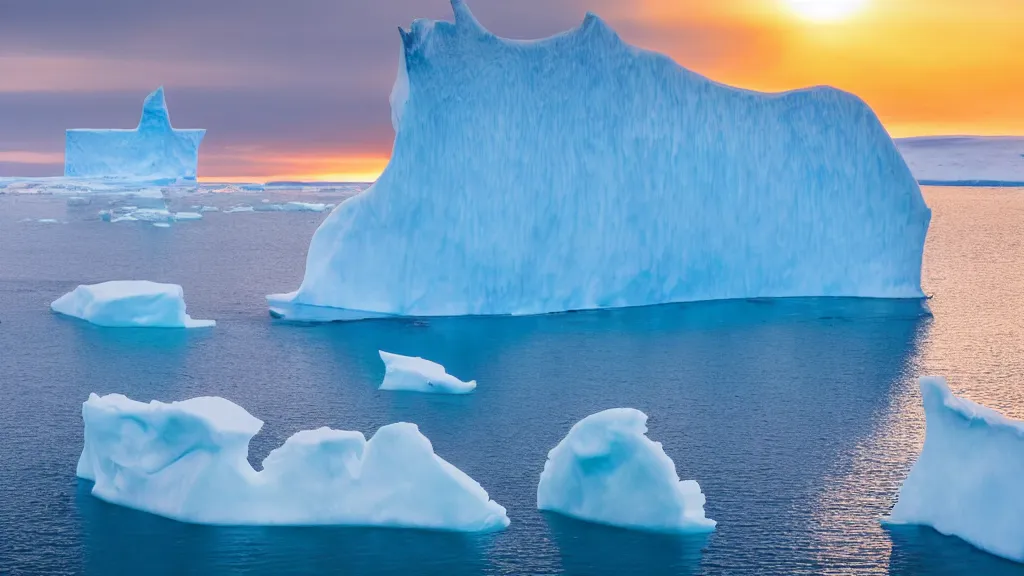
(580, 172)
(607, 470)
(188, 461)
(152, 151)
(129, 304)
(418, 375)
(967, 480)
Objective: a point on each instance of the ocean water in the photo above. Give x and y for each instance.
(798, 417)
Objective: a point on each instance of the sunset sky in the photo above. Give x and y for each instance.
(299, 89)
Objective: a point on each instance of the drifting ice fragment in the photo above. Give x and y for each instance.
(619, 179)
(129, 303)
(152, 151)
(418, 375)
(607, 471)
(295, 207)
(182, 216)
(240, 208)
(188, 461)
(967, 480)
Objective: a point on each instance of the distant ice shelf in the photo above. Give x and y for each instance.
(129, 304)
(607, 470)
(618, 179)
(188, 461)
(967, 480)
(152, 151)
(415, 374)
(965, 160)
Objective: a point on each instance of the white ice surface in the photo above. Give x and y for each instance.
(129, 303)
(418, 375)
(606, 470)
(188, 461)
(967, 482)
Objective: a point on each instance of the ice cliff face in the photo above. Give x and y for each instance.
(967, 480)
(579, 172)
(188, 461)
(153, 151)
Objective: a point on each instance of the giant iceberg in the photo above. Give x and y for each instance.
(579, 172)
(188, 461)
(607, 470)
(967, 480)
(129, 304)
(153, 151)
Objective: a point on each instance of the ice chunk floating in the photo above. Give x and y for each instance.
(187, 461)
(419, 375)
(579, 172)
(967, 480)
(607, 470)
(153, 151)
(129, 303)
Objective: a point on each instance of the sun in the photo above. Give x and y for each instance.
(826, 10)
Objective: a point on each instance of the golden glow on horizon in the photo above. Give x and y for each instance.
(264, 167)
(926, 67)
(826, 10)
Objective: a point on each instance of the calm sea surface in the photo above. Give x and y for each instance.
(799, 418)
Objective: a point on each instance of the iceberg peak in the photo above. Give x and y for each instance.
(464, 19)
(154, 112)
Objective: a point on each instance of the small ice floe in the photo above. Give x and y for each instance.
(129, 304)
(607, 471)
(414, 374)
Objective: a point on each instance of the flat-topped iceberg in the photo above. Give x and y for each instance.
(188, 461)
(967, 480)
(129, 304)
(579, 172)
(418, 375)
(152, 151)
(606, 470)
(965, 160)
